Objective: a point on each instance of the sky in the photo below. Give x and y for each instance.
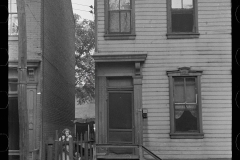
(81, 7)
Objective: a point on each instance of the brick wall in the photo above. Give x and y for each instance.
(58, 66)
(33, 27)
(13, 49)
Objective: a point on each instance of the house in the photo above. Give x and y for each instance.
(163, 79)
(50, 72)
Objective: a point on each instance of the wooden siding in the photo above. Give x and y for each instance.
(211, 52)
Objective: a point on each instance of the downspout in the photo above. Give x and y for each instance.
(22, 82)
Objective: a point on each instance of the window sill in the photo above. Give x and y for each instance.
(12, 38)
(182, 35)
(186, 135)
(119, 36)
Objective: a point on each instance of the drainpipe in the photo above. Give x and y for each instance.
(22, 82)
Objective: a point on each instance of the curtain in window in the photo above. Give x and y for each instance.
(179, 110)
(192, 109)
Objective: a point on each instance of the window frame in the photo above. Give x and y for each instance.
(13, 36)
(185, 72)
(182, 35)
(119, 36)
(13, 94)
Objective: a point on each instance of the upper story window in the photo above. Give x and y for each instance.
(182, 19)
(119, 19)
(185, 103)
(13, 18)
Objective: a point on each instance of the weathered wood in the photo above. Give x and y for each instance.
(56, 146)
(50, 143)
(91, 151)
(77, 143)
(86, 145)
(81, 147)
(71, 147)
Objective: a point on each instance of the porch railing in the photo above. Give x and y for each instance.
(78, 148)
(83, 148)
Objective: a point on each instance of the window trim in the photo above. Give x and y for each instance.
(118, 36)
(182, 35)
(185, 72)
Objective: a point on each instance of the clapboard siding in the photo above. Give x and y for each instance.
(211, 53)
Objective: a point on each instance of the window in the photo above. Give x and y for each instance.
(13, 18)
(119, 19)
(185, 103)
(13, 120)
(182, 19)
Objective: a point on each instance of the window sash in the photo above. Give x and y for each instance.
(12, 7)
(185, 103)
(181, 3)
(185, 90)
(11, 29)
(119, 23)
(108, 13)
(184, 33)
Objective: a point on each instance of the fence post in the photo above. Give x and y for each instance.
(91, 152)
(140, 152)
(94, 152)
(86, 145)
(77, 146)
(49, 148)
(56, 143)
(71, 148)
(81, 146)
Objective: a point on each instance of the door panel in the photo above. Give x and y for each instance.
(120, 110)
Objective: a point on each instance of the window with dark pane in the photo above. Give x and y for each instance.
(12, 85)
(182, 16)
(119, 16)
(13, 121)
(185, 104)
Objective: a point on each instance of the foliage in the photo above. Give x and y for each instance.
(84, 67)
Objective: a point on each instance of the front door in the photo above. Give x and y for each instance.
(120, 119)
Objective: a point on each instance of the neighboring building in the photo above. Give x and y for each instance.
(163, 79)
(50, 72)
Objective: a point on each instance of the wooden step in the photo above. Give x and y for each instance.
(118, 156)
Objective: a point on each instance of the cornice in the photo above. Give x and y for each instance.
(120, 57)
(30, 63)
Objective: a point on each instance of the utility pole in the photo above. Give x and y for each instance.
(22, 82)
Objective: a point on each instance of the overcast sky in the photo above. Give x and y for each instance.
(81, 7)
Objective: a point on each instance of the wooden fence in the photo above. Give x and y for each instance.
(80, 147)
